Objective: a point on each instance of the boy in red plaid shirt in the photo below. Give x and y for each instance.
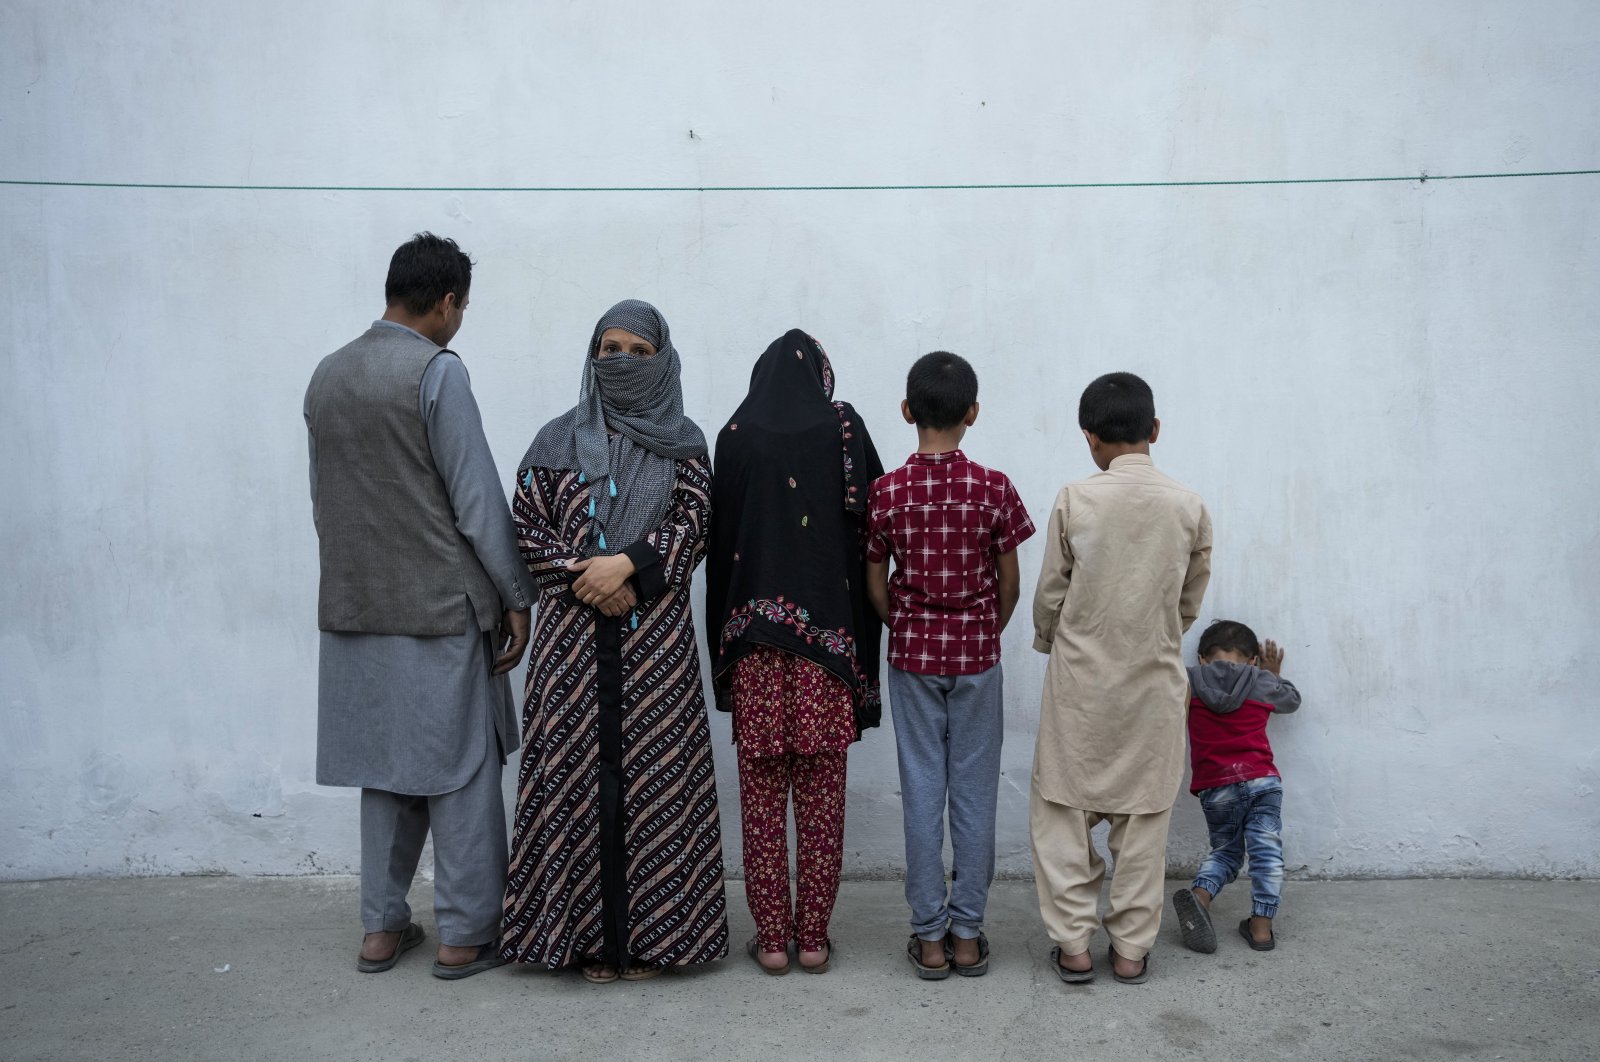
(953, 528)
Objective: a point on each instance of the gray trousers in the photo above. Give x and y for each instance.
(947, 731)
(469, 856)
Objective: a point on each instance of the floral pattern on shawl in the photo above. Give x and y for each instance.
(794, 616)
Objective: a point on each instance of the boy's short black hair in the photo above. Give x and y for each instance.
(1230, 636)
(940, 388)
(1118, 408)
(424, 270)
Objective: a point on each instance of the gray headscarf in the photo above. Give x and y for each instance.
(631, 473)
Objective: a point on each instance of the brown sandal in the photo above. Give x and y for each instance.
(598, 973)
(640, 972)
(753, 949)
(823, 966)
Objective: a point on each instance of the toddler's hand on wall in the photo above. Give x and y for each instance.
(1271, 658)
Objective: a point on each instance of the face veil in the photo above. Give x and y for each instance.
(627, 432)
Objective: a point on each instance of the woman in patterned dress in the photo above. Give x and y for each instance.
(616, 856)
(795, 639)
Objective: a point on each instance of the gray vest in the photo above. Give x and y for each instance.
(393, 561)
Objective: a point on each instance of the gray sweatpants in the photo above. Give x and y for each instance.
(947, 731)
(469, 856)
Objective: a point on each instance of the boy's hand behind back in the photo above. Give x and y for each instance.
(1271, 658)
(878, 588)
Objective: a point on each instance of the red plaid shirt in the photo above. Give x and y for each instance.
(945, 520)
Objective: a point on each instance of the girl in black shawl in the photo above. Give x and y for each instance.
(793, 637)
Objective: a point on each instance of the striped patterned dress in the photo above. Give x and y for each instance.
(616, 852)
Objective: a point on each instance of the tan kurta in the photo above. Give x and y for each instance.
(1127, 559)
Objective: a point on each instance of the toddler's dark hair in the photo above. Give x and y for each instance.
(1231, 636)
(940, 388)
(1119, 408)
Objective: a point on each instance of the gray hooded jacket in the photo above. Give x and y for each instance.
(1223, 686)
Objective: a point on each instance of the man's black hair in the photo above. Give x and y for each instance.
(1118, 408)
(424, 270)
(1230, 636)
(940, 388)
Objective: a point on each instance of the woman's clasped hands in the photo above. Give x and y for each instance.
(603, 584)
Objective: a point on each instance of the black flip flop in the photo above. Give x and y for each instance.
(410, 937)
(927, 973)
(1071, 977)
(977, 969)
(1137, 979)
(1256, 945)
(1194, 922)
(488, 958)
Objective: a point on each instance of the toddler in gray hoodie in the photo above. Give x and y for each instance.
(1234, 690)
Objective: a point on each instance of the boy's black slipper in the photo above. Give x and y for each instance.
(927, 973)
(977, 969)
(1194, 922)
(1071, 977)
(1137, 979)
(1244, 931)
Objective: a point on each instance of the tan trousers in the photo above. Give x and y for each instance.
(1068, 871)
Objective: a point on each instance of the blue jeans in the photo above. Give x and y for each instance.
(1244, 819)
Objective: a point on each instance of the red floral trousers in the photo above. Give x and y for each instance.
(792, 721)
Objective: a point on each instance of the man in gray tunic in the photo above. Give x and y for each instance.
(423, 609)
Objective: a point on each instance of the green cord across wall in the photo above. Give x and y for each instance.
(1421, 178)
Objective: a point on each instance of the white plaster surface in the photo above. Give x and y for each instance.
(1384, 391)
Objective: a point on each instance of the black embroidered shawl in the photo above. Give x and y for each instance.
(785, 564)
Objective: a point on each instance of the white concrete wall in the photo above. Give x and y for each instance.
(1385, 391)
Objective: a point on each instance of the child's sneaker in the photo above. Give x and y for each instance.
(1194, 922)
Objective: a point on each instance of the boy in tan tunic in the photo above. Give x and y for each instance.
(1127, 559)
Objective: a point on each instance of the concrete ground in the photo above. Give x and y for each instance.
(263, 968)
